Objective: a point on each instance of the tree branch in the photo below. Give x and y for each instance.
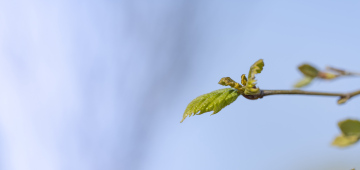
(300, 92)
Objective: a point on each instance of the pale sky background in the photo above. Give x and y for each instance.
(93, 85)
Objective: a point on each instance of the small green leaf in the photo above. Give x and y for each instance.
(213, 101)
(303, 82)
(256, 68)
(350, 127)
(226, 81)
(350, 133)
(309, 70)
(343, 141)
(243, 79)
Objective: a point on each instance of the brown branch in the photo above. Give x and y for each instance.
(300, 92)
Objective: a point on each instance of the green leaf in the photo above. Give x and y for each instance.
(343, 141)
(243, 79)
(350, 133)
(256, 68)
(303, 82)
(350, 127)
(213, 101)
(309, 70)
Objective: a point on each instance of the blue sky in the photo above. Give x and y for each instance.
(103, 84)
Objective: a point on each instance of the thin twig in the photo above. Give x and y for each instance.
(343, 72)
(300, 92)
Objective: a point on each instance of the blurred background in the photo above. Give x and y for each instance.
(103, 84)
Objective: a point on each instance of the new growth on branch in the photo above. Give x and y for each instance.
(218, 99)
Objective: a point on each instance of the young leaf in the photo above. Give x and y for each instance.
(256, 68)
(309, 70)
(350, 133)
(243, 79)
(350, 127)
(343, 141)
(227, 81)
(213, 101)
(303, 82)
